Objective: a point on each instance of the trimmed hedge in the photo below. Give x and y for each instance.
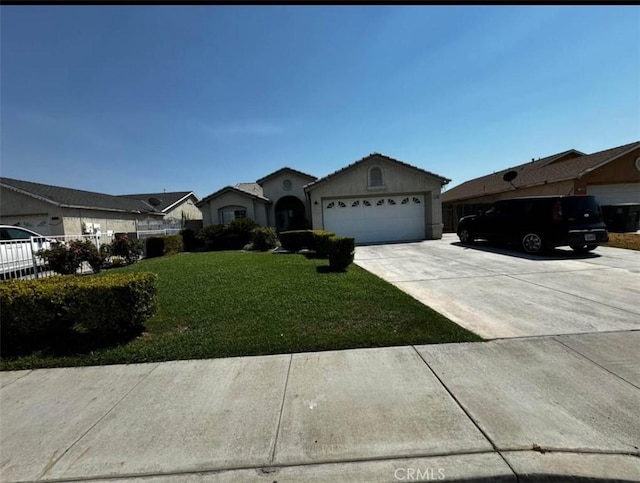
(67, 313)
(321, 243)
(296, 240)
(317, 240)
(158, 246)
(341, 251)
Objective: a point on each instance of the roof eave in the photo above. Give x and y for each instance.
(32, 195)
(607, 161)
(171, 206)
(222, 191)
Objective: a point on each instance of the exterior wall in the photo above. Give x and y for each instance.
(274, 190)
(23, 210)
(109, 221)
(256, 209)
(397, 180)
(187, 210)
(619, 171)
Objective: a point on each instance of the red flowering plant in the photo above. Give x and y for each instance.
(67, 258)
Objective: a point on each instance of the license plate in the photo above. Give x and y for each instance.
(589, 237)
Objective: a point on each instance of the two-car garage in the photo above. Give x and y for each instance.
(376, 218)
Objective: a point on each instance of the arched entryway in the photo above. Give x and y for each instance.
(290, 214)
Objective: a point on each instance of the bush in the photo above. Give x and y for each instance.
(341, 251)
(66, 258)
(74, 313)
(189, 240)
(296, 240)
(212, 236)
(321, 242)
(233, 236)
(158, 246)
(239, 232)
(123, 246)
(264, 238)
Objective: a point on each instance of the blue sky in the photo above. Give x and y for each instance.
(126, 99)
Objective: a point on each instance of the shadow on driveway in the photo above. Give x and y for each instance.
(551, 254)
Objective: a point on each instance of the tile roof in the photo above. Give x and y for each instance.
(252, 188)
(167, 200)
(314, 184)
(563, 166)
(73, 198)
(282, 170)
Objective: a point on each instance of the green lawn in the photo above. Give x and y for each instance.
(221, 304)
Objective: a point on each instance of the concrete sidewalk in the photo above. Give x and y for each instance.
(510, 410)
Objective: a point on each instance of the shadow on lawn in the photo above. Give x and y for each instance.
(63, 344)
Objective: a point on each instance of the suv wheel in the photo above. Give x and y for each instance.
(465, 235)
(583, 248)
(532, 243)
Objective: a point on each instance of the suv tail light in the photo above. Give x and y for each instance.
(556, 212)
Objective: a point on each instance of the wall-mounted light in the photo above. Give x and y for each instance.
(315, 202)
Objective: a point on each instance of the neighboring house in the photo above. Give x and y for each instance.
(54, 210)
(178, 207)
(612, 175)
(376, 199)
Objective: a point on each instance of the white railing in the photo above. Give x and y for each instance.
(143, 234)
(18, 258)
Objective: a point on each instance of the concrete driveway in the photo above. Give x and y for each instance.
(500, 293)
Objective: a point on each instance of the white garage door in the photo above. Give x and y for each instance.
(376, 218)
(609, 194)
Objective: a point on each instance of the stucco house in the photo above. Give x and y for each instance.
(54, 210)
(612, 175)
(375, 199)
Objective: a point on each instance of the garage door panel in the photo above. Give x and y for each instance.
(615, 193)
(376, 219)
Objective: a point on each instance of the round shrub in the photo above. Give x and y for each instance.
(264, 238)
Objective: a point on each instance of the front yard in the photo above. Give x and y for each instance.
(222, 304)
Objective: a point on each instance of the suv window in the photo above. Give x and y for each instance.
(581, 207)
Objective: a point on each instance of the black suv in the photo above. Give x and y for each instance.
(540, 222)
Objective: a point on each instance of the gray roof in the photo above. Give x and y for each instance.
(73, 198)
(167, 200)
(563, 166)
(314, 184)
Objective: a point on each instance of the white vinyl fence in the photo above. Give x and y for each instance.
(18, 258)
(143, 234)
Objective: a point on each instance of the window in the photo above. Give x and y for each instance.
(375, 177)
(227, 215)
(287, 185)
